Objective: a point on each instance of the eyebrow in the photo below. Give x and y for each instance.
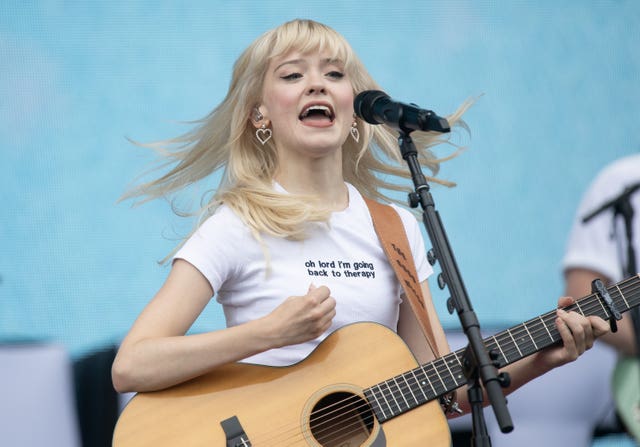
(325, 61)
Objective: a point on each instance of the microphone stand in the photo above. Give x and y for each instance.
(478, 363)
(621, 206)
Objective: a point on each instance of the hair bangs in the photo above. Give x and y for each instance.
(307, 36)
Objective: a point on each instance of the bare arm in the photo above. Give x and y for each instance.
(157, 354)
(578, 284)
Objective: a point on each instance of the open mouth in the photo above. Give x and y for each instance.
(317, 112)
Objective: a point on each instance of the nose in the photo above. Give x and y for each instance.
(313, 90)
(316, 84)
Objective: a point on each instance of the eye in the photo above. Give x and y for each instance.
(291, 77)
(335, 74)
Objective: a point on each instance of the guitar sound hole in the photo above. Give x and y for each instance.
(341, 420)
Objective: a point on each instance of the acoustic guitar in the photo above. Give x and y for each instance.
(360, 387)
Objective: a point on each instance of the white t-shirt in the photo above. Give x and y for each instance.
(346, 256)
(592, 245)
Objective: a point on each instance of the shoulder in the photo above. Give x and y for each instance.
(613, 178)
(408, 219)
(223, 220)
(620, 170)
(404, 213)
(223, 230)
(630, 163)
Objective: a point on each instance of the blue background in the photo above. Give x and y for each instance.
(558, 98)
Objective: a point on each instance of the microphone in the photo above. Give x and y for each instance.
(376, 107)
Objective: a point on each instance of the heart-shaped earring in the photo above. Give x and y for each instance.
(355, 134)
(263, 134)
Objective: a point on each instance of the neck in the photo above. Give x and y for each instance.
(316, 179)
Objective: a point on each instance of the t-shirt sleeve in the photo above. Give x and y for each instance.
(590, 244)
(213, 248)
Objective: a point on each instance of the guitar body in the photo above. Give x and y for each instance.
(320, 402)
(626, 393)
(299, 405)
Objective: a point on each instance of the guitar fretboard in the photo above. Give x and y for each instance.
(441, 376)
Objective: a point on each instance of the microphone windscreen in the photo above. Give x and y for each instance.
(363, 105)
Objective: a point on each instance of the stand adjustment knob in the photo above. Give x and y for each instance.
(431, 257)
(504, 379)
(450, 306)
(414, 199)
(441, 281)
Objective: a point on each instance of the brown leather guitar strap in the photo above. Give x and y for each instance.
(393, 238)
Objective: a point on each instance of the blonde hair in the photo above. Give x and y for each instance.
(224, 141)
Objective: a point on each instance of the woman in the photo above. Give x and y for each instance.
(287, 246)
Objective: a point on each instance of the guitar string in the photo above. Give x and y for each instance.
(396, 405)
(533, 327)
(590, 305)
(587, 306)
(324, 433)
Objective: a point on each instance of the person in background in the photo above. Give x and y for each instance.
(604, 243)
(297, 166)
(598, 248)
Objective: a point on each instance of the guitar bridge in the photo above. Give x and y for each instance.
(236, 437)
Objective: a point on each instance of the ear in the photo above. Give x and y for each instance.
(258, 118)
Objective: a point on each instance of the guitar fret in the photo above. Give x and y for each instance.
(508, 341)
(522, 342)
(399, 389)
(544, 324)
(410, 394)
(514, 342)
(500, 349)
(380, 407)
(419, 385)
(579, 308)
(623, 298)
(449, 377)
(439, 385)
(448, 369)
(439, 377)
(531, 337)
(393, 408)
(604, 309)
(428, 381)
(459, 377)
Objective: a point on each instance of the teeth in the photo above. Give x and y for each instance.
(324, 109)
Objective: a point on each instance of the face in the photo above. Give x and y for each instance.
(309, 102)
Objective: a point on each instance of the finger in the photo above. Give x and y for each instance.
(329, 304)
(565, 301)
(327, 319)
(588, 336)
(580, 329)
(318, 294)
(600, 327)
(568, 339)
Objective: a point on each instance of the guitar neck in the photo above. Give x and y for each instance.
(441, 376)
